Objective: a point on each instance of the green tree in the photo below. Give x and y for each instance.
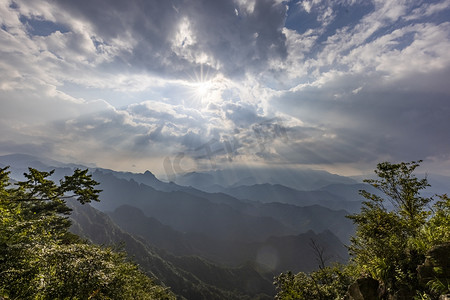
(382, 246)
(389, 244)
(393, 234)
(323, 284)
(437, 229)
(41, 259)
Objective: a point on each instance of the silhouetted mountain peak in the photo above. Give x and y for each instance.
(149, 174)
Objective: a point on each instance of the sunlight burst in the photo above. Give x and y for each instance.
(202, 86)
(202, 89)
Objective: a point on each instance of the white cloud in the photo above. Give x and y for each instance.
(247, 5)
(428, 9)
(174, 76)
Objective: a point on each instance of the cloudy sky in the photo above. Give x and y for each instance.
(178, 85)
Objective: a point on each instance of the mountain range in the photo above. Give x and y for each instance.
(220, 234)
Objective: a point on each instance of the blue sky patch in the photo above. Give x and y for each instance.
(42, 27)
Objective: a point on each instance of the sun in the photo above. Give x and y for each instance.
(206, 87)
(201, 86)
(202, 89)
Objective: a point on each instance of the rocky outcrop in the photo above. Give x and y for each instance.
(436, 265)
(364, 289)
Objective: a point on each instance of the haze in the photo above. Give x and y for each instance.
(174, 86)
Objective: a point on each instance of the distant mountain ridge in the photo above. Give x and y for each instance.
(134, 188)
(215, 216)
(267, 193)
(299, 179)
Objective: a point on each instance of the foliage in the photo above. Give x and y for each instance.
(390, 244)
(437, 229)
(393, 235)
(41, 259)
(325, 283)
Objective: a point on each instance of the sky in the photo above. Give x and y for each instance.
(181, 85)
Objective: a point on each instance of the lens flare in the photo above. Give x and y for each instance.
(202, 86)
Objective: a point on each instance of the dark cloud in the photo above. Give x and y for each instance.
(13, 146)
(242, 115)
(242, 40)
(398, 120)
(233, 42)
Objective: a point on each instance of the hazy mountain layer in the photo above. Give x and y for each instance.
(186, 212)
(275, 254)
(224, 219)
(213, 181)
(189, 277)
(278, 193)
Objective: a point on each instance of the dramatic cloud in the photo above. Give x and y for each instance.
(137, 85)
